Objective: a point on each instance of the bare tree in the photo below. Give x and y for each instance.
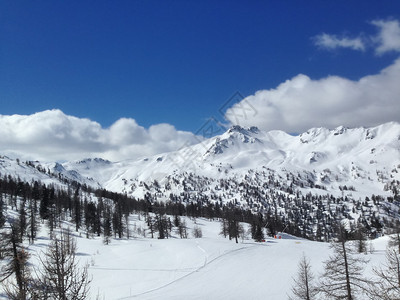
(61, 277)
(197, 233)
(21, 289)
(343, 274)
(388, 286)
(182, 229)
(17, 265)
(394, 241)
(304, 287)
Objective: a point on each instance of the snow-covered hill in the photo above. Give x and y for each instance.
(367, 159)
(318, 175)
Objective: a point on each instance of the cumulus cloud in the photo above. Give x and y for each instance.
(53, 135)
(328, 41)
(387, 39)
(301, 102)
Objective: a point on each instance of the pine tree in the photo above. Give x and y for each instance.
(22, 222)
(127, 227)
(224, 227)
(177, 221)
(77, 210)
(360, 236)
(2, 211)
(162, 226)
(90, 212)
(44, 203)
(150, 224)
(118, 225)
(107, 230)
(258, 234)
(32, 221)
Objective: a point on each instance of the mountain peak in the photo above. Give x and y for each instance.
(339, 130)
(235, 137)
(94, 161)
(243, 130)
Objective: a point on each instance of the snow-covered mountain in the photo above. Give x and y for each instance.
(366, 159)
(303, 185)
(332, 170)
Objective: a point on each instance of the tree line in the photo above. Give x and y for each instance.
(104, 213)
(101, 212)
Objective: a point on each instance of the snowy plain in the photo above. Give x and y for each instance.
(211, 267)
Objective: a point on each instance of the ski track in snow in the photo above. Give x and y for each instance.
(206, 263)
(144, 269)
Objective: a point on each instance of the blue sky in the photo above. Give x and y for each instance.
(170, 61)
(178, 62)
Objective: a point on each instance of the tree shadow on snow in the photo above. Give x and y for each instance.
(81, 254)
(39, 245)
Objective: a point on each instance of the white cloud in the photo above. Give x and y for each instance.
(53, 135)
(388, 38)
(294, 106)
(301, 103)
(331, 42)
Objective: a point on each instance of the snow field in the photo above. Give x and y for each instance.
(211, 267)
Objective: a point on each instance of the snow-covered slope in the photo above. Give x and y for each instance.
(364, 158)
(46, 173)
(307, 180)
(211, 267)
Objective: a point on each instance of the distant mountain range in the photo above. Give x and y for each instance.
(247, 167)
(368, 159)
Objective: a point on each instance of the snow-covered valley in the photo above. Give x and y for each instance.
(211, 267)
(272, 183)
